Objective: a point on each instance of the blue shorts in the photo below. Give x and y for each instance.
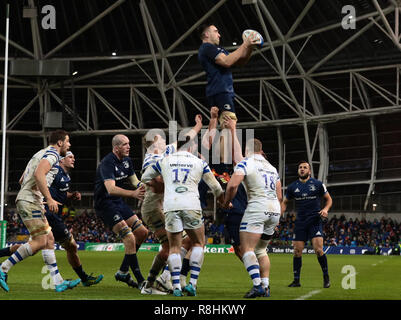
(59, 229)
(112, 212)
(224, 101)
(232, 224)
(305, 232)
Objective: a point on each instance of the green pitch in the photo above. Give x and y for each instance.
(223, 277)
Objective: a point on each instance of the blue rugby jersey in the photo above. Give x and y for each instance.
(219, 78)
(307, 198)
(60, 185)
(111, 168)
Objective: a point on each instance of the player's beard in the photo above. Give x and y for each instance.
(304, 176)
(63, 152)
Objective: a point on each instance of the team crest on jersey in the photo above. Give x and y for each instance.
(116, 217)
(312, 187)
(126, 164)
(227, 106)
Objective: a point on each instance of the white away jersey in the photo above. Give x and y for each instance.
(152, 158)
(181, 173)
(29, 191)
(260, 182)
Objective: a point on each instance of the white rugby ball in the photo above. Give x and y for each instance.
(259, 37)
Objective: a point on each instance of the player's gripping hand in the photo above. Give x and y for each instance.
(251, 41)
(214, 112)
(139, 193)
(229, 123)
(198, 119)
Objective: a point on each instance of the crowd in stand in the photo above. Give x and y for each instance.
(349, 233)
(337, 231)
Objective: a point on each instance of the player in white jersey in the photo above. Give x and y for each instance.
(262, 214)
(181, 174)
(152, 210)
(29, 203)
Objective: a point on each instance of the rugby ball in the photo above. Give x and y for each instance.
(258, 36)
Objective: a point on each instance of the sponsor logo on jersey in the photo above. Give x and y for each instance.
(181, 189)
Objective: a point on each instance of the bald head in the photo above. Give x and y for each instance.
(118, 139)
(120, 145)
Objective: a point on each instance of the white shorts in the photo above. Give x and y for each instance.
(260, 222)
(177, 221)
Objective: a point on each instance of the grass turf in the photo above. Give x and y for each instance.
(223, 277)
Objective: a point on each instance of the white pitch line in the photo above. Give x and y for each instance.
(307, 296)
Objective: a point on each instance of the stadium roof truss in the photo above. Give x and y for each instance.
(289, 81)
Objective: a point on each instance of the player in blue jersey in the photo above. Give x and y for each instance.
(30, 207)
(59, 190)
(217, 63)
(115, 169)
(307, 193)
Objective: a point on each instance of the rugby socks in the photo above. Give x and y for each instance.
(265, 282)
(49, 258)
(323, 264)
(252, 266)
(183, 253)
(195, 264)
(185, 267)
(125, 264)
(133, 263)
(81, 273)
(174, 265)
(166, 275)
(297, 264)
(6, 252)
(23, 252)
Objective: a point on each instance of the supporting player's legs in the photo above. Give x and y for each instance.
(174, 260)
(317, 244)
(248, 242)
(264, 263)
(297, 262)
(196, 259)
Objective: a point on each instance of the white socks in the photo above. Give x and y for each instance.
(23, 252)
(49, 258)
(252, 266)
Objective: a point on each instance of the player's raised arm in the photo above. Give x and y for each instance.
(237, 150)
(243, 52)
(208, 137)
